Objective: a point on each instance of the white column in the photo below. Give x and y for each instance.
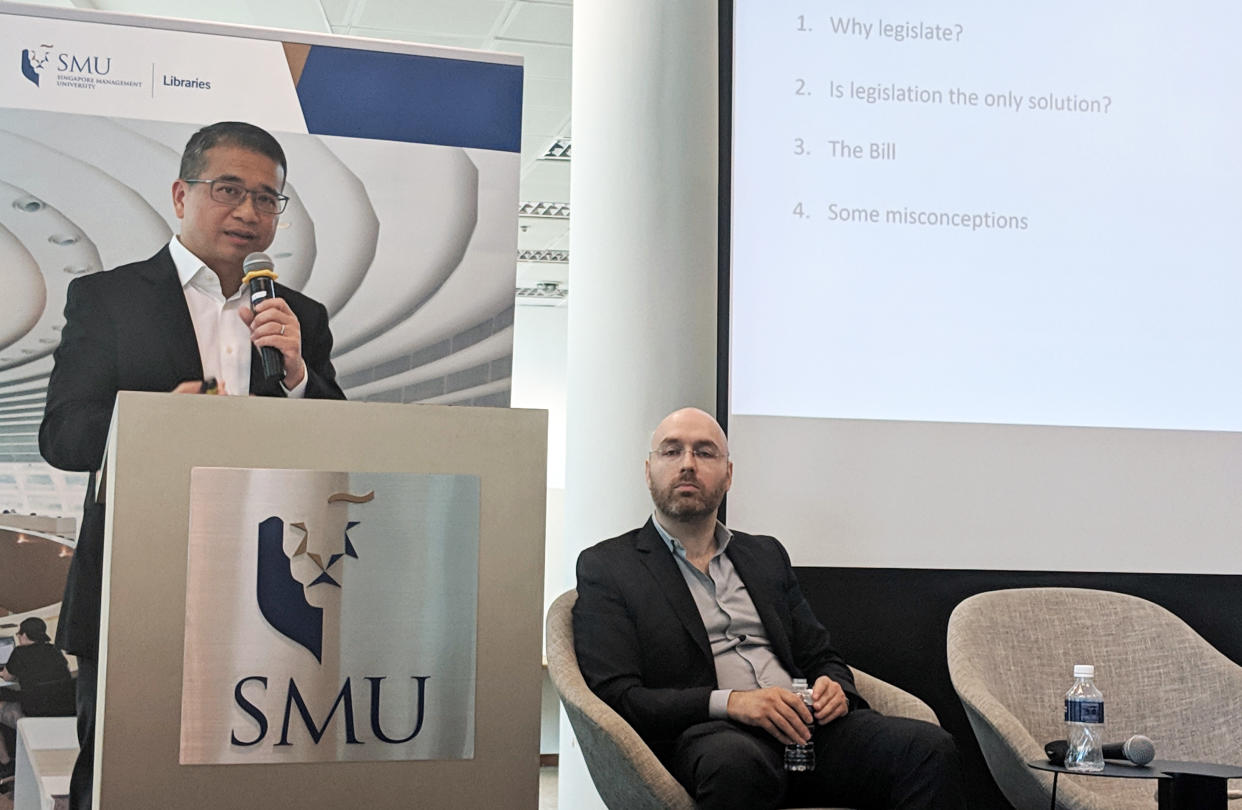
(642, 279)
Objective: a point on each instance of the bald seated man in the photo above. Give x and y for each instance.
(694, 633)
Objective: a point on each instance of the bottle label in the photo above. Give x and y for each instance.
(1084, 711)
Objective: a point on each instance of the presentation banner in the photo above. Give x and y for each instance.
(329, 616)
(403, 184)
(146, 73)
(344, 88)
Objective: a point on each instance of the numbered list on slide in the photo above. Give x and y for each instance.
(968, 205)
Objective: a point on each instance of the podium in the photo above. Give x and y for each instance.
(320, 603)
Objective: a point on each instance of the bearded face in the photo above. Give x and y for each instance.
(686, 495)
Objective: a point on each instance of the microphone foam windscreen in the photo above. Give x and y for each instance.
(1140, 750)
(257, 261)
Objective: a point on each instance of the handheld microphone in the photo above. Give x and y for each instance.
(1138, 749)
(261, 279)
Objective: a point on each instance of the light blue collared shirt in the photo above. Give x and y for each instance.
(740, 648)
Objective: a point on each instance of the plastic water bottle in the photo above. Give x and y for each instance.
(801, 757)
(1084, 722)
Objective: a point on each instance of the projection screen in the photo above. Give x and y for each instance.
(984, 285)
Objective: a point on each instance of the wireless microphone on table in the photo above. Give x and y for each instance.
(1138, 749)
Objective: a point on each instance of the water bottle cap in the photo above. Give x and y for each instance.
(1084, 670)
(799, 684)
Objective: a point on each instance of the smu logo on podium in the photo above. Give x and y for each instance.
(283, 603)
(281, 598)
(351, 617)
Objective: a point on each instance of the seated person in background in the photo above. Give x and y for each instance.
(693, 633)
(46, 685)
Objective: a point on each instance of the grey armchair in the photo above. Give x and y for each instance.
(1011, 655)
(625, 771)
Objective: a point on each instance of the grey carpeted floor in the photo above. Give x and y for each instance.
(547, 791)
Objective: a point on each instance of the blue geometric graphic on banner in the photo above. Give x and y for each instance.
(416, 99)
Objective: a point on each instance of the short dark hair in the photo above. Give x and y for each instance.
(33, 628)
(229, 133)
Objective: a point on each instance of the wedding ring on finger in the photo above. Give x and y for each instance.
(282, 330)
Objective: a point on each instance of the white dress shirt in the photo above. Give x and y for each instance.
(223, 338)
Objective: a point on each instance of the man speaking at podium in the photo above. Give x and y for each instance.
(693, 633)
(174, 322)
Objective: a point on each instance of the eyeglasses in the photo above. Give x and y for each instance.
(226, 192)
(671, 453)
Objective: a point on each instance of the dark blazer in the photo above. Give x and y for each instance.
(643, 648)
(129, 329)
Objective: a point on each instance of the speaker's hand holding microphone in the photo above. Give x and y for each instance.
(274, 329)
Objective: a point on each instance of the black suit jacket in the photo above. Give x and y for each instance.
(643, 648)
(129, 329)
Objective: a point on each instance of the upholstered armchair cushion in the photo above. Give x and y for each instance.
(1011, 655)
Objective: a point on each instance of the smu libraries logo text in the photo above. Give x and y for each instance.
(76, 71)
(34, 61)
